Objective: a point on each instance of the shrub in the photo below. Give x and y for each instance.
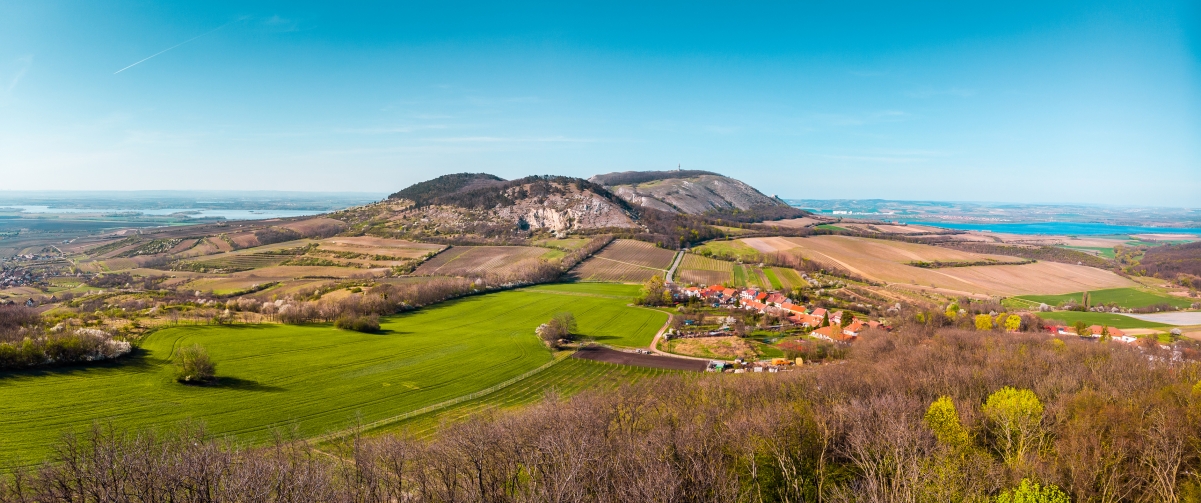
(358, 323)
(1031, 492)
(1015, 419)
(193, 366)
(561, 327)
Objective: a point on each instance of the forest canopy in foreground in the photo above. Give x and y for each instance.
(952, 416)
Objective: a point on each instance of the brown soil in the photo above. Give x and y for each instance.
(607, 355)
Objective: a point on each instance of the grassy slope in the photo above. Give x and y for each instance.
(316, 377)
(1113, 320)
(564, 379)
(1124, 297)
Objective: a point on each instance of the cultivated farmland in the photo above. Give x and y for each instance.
(705, 271)
(315, 377)
(469, 260)
(887, 261)
(564, 379)
(625, 261)
(1107, 319)
(1123, 297)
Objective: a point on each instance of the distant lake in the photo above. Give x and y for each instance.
(1063, 228)
(196, 213)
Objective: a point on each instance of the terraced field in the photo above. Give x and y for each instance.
(696, 269)
(625, 261)
(315, 377)
(237, 263)
(564, 379)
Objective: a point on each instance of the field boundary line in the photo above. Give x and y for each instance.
(440, 405)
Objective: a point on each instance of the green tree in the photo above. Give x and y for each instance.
(846, 319)
(1084, 300)
(1030, 492)
(952, 311)
(193, 365)
(943, 420)
(1013, 323)
(1105, 336)
(983, 322)
(1082, 329)
(652, 292)
(1014, 418)
(826, 319)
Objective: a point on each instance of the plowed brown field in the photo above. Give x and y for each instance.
(625, 261)
(886, 261)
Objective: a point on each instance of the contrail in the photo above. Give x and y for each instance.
(172, 47)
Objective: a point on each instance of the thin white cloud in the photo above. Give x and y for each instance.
(9, 84)
(23, 64)
(837, 119)
(930, 93)
(176, 45)
(391, 130)
(499, 139)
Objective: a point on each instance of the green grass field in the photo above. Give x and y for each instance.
(315, 377)
(740, 276)
(1102, 251)
(1108, 319)
(1124, 297)
(773, 279)
(729, 249)
(790, 277)
(566, 378)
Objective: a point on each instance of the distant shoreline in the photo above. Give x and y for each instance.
(1061, 228)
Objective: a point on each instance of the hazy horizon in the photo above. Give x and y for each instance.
(1077, 103)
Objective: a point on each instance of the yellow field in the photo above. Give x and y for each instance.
(886, 261)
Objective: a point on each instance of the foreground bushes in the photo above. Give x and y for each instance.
(358, 323)
(82, 345)
(956, 416)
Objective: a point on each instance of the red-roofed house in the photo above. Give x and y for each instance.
(757, 306)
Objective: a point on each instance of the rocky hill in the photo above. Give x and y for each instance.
(484, 205)
(482, 208)
(693, 193)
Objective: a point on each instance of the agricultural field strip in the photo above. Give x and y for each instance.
(575, 294)
(439, 406)
(627, 263)
(566, 377)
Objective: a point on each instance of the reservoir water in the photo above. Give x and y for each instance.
(196, 213)
(1064, 228)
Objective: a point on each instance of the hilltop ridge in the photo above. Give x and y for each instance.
(695, 192)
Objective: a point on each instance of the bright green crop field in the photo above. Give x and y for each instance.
(564, 379)
(1108, 319)
(314, 377)
(1125, 297)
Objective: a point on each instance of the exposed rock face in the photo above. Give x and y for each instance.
(694, 194)
(565, 212)
(484, 205)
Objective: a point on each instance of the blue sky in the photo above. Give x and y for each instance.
(1027, 102)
